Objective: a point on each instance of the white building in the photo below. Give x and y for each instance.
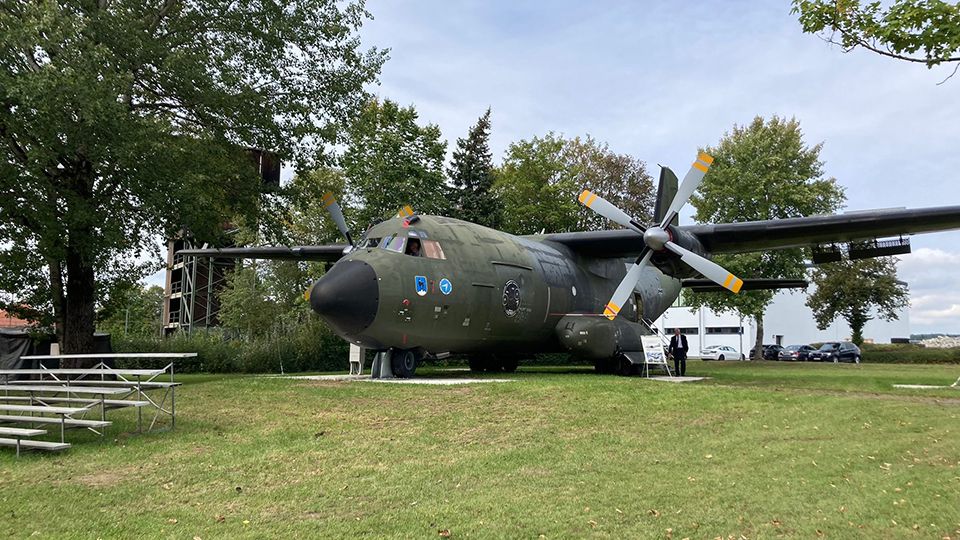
(788, 321)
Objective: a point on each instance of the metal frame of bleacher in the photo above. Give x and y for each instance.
(56, 385)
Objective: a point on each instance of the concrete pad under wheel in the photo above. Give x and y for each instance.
(678, 379)
(367, 378)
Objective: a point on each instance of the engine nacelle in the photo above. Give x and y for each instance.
(596, 337)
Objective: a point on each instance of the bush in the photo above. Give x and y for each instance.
(310, 346)
(896, 353)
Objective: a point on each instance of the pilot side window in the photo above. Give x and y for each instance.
(432, 249)
(392, 243)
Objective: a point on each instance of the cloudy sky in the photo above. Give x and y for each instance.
(658, 79)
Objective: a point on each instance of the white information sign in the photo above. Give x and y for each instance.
(653, 350)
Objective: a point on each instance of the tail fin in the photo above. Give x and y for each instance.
(665, 194)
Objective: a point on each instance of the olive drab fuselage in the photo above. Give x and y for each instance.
(472, 289)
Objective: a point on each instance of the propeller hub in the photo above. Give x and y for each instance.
(656, 237)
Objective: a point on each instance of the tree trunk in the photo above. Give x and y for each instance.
(758, 346)
(56, 292)
(858, 319)
(79, 310)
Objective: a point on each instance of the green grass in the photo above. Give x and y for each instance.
(763, 450)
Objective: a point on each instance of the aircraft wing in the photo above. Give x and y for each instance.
(327, 253)
(774, 233)
(706, 285)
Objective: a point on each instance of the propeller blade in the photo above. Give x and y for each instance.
(330, 202)
(606, 209)
(625, 289)
(690, 184)
(710, 270)
(404, 212)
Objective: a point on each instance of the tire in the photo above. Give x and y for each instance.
(720, 358)
(626, 367)
(856, 359)
(509, 364)
(476, 364)
(836, 359)
(742, 357)
(405, 362)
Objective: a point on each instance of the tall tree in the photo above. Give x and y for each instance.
(619, 178)
(540, 179)
(922, 31)
(471, 172)
(132, 309)
(853, 289)
(123, 120)
(392, 161)
(762, 171)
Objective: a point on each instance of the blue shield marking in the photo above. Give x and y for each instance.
(445, 286)
(421, 283)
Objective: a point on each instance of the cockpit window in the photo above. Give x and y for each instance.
(393, 243)
(371, 243)
(413, 246)
(432, 249)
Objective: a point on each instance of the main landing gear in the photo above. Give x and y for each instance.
(399, 363)
(492, 363)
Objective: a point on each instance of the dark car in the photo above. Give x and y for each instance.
(796, 352)
(770, 352)
(837, 351)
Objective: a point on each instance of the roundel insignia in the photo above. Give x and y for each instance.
(445, 286)
(511, 298)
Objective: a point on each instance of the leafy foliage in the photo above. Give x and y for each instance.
(124, 120)
(471, 172)
(132, 310)
(391, 161)
(541, 178)
(924, 31)
(761, 171)
(852, 289)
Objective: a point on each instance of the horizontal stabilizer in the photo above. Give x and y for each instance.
(706, 285)
(327, 253)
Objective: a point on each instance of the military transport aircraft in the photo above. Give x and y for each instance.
(419, 286)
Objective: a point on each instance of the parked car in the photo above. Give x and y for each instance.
(770, 351)
(837, 351)
(796, 352)
(720, 352)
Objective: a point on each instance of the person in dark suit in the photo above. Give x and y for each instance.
(678, 350)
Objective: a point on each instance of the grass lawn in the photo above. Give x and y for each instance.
(762, 450)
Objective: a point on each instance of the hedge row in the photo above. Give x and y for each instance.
(908, 354)
(310, 347)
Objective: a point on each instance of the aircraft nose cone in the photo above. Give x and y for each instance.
(347, 296)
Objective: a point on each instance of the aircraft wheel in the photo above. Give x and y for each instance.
(509, 364)
(626, 367)
(477, 363)
(405, 362)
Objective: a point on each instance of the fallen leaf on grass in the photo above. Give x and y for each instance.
(219, 519)
(444, 533)
(654, 513)
(709, 456)
(172, 521)
(776, 523)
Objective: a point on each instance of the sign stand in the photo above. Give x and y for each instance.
(654, 355)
